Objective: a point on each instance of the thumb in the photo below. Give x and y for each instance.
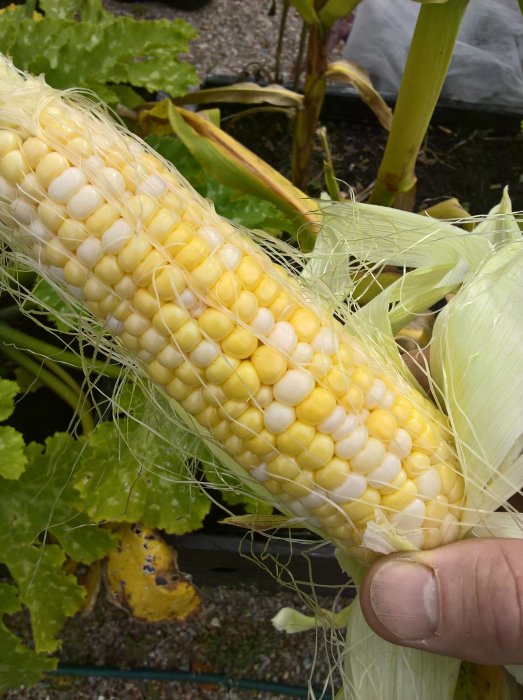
(463, 600)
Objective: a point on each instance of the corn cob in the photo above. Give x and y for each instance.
(331, 434)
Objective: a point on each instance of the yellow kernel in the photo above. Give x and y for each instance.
(249, 424)
(222, 431)
(234, 445)
(206, 275)
(177, 239)
(345, 356)
(320, 364)
(133, 253)
(415, 424)
(456, 492)
(226, 290)
(267, 290)
(318, 405)
(262, 445)
(248, 460)
(145, 303)
(269, 363)
(436, 509)
(221, 369)
(353, 399)
(159, 374)
(448, 477)
(232, 409)
(71, 233)
(122, 311)
(215, 324)
(75, 273)
(240, 343)
(80, 147)
(108, 304)
(338, 381)
(56, 253)
(363, 377)
(104, 217)
(178, 389)
(397, 483)
(34, 150)
(143, 274)
(194, 402)
(209, 417)
(13, 166)
(369, 457)
(244, 383)
(282, 467)
(108, 270)
(401, 409)
(51, 214)
(306, 324)
(318, 453)
(167, 283)
(273, 486)
(401, 498)
(429, 440)
(246, 306)
(249, 272)
(192, 254)
(382, 424)
(187, 337)
(364, 506)
(31, 188)
(130, 342)
(141, 207)
(300, 487)
(332, 475)
(296, 438)
(49, 167)
(283, 307)
(169, 318)
(189, 374)
(9, 141)
(162, 224)
(94, 290)
(416, 463)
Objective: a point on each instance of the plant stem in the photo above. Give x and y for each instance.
(328, 166)
(299, 58)
(279, 46)
(41, 347)
(425, 71)
(75, 399)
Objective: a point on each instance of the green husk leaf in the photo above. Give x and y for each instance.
(500, 225)
(19, 665)
(292, 621)
(477, 362)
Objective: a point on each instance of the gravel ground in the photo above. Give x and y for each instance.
(236, 37)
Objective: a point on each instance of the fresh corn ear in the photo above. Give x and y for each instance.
(331, 434)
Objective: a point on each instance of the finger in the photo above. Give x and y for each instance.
(463, 600)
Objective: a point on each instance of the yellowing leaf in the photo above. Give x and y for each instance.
(244, 93)
(357, 76)
(143, 577)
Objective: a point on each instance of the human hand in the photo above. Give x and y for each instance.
(464, 599)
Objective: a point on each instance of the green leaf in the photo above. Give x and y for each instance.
(19, 665)
(12, 457)
(61, 9)
(51, 299)
(247, 210)
(8, 391)
(129, 474)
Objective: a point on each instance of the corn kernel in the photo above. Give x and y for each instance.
(332, 475)
(244, 383)
(227, 290)
(338, 381)
(187, 337)
(249, 272)
(169, 318)
(205, 276)
(141, 207)
(209, 417)
(162, 224)
(300, 487)
(306, 324)
(34, 150)
(282, 467)
(364, 506)
(102, 219)
(382, 425)
(71, 233)
(159, 374)
(178, 389)
(296, 439)
(221, 369)
(318, 405)
(143, 274)
(49, 167)
(267, 290)
(167, 283)
(401, 498)
(51, 214)
(192, 254)
(215, 324)
(269, 364)
(262, 444)
(108, 270)
(283, 307)
(353, 399)
(232, 409)
(57, 253)
(189, 374)
(401, 409)
(240, 343)
(246, 306)
(132, 255)
(75, 273)
(318, 453)
(249, 424)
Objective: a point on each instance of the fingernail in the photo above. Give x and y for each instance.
(404, 598)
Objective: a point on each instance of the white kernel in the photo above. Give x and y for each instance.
(95, 163)
(263, 322)
(211, 235)
(153, 185)
(388, 470)
(89, 252)
(387, 400)
(409, 518)
(298, 509)
(152, 341)
(198, 309)
(346, 427)
(205, 353)
(22, 211)
(39, 231)
(375, 394)
(144, 356)
(7, 191)
(116, 236)
(353, 487)
(302, 353)
(334, 421)
(401, 445)
(230, 256)
(278, 417)
(429, 484)
(370, 457)
(113, 180)
(264, 397)
(136, 324)
(295, 386)
(313, 500)
(84, 202)
(169, 357)
(63, 187)
(449, 528)
(283, 336)
(113, 325)
(187, 299)
(351, 445)
(260, 472)
(415, 537)
(326, 341)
